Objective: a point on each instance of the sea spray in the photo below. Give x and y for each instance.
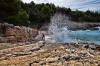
(58, 28)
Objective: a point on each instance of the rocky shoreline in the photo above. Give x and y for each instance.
(38, 53)
(21, 49)
(11, 34)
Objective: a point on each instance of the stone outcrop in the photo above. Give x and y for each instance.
(11, 33)
(49, 54)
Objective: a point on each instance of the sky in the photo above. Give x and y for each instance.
(83, 5)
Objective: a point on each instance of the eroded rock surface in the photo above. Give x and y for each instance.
(48, 54)
(11, 33)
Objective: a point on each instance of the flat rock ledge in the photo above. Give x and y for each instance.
(49, 54)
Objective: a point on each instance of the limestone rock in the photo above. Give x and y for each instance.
(34, 54)
(10, 32)
(22, 38)
(11, 39)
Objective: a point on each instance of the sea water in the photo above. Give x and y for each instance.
(85, 36)
(59, 33)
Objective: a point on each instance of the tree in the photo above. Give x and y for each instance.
(13, 13)
(18, 13)
(46, 12)
(23, 17)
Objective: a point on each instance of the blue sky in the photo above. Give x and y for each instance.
(83, 5)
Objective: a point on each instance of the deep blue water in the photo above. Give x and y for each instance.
(85, 36)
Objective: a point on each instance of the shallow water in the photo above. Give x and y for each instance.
(75, 36)
(85, 36)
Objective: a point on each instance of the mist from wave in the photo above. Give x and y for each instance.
(58, 29)
(59, 33)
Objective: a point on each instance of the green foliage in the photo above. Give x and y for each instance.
(22, 14)
(39, 13)
(19, 13)
(23, 17)
(87, 16)
(12, 12)
(46, 12)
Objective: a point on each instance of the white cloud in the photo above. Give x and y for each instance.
(83, 5)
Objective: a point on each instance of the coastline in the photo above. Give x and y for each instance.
(42, 53)
(49, 54)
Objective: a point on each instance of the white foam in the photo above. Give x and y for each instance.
(58, 31)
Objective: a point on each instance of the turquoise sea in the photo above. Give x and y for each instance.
(85, 36)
